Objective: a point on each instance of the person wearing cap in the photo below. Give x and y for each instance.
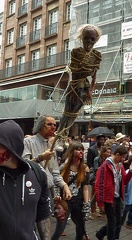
(118, 140)
(22, 201)
(37, 147)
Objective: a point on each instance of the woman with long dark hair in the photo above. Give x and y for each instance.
(76, 174)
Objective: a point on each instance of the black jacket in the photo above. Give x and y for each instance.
(92, 153)
(21, 202)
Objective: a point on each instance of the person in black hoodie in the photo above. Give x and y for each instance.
(23, 201)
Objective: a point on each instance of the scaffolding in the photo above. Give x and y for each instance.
(109, 16)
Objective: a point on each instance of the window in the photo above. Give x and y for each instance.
(21, 40)
(37, 23)
(53, 22)
(36, 34)
(68, 11)
(36, 3)
(12, 7)
(51, 50)
(35, 59)
(23, 29)
(8, 64)
(10, 35)
(21, 59)
(23, 9)
(67, 51)
(51, 55)
(23, 33)
(35, 55)
(21, 63)
(53, 16)
(66, 45)
(24, 2)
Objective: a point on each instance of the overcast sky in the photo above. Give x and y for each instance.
(2, 5)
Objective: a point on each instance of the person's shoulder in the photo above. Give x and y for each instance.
(28, 138)
(97, 158)
(77, 50)
(86, 168)
(97, 53)
(31, 138)
(39, 171)
(127, 171)
(108, 162)
(104, 164)
(115, 144)
(93, 147)
(91, 150)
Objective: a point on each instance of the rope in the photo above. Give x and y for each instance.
(85, 62)
(107, 77)
(54, 90)
(68, 70)
(74, 84)
(69, 114)
(60, 133)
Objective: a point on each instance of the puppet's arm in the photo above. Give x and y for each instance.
(92, 86)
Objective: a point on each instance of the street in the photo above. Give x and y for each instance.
(92, 226)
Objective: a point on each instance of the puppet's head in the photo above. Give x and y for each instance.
(60, 209)
(88, 34)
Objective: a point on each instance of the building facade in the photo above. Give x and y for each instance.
(1, 31)
(37, 38)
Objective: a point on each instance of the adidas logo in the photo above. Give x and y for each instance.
(31, 191)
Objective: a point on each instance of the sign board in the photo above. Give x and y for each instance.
(106, 91)
(126, 31)
(102, 42)
(127, 64)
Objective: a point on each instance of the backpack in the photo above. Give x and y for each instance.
(38, 171)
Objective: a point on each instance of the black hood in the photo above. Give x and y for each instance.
(11, 136)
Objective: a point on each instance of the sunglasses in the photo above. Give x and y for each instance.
(51, 124)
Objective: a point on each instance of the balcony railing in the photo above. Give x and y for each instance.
(8, 72)
(21, 41)
(23, 9)
(55, 60)
(36, 3)
(51, 29)
(49, 1)
(21, 68)
(35, 35)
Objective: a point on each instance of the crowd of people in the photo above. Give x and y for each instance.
(28, 198)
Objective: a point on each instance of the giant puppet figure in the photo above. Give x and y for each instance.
(85, 61)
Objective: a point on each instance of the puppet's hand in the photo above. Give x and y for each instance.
(94, 77)
(90, 94)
